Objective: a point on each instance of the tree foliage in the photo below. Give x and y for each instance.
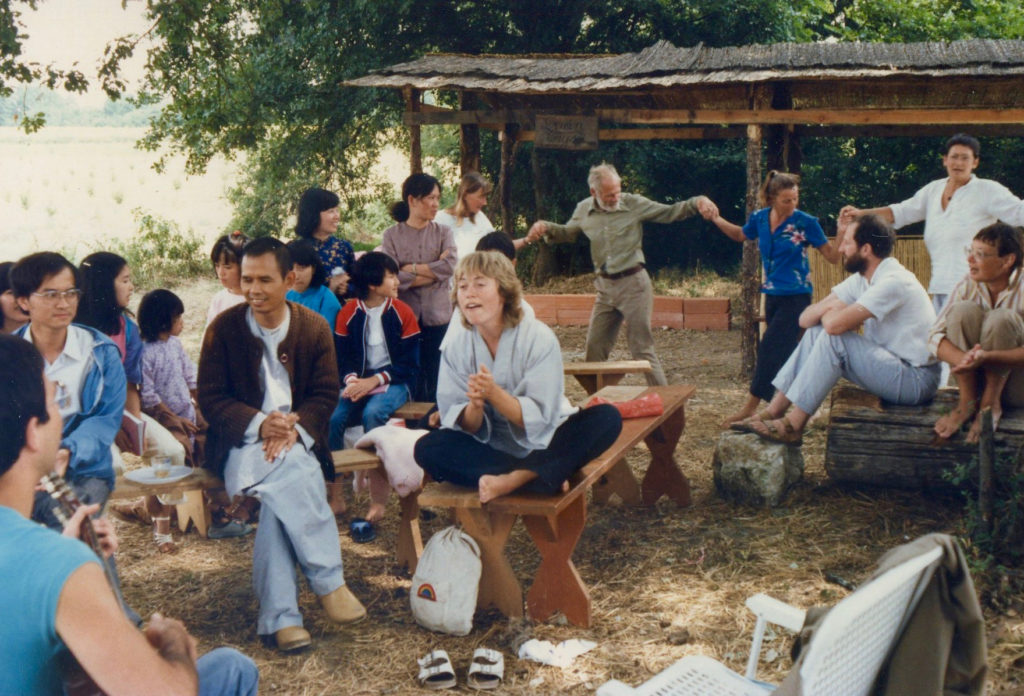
(16, 71)
(263, 79)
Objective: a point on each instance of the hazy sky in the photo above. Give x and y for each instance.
(68, 31)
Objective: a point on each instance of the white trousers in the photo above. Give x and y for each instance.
(296, 526)
(820, 360)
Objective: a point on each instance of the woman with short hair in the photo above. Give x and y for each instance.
(505, 422)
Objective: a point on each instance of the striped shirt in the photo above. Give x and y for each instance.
(967, 290)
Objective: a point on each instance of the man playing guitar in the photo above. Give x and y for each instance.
(55, 601)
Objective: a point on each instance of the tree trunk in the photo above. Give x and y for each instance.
(545, 264)
(469, 138)
(412, 100)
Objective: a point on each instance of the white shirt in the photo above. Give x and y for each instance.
(68, 371)
(277, 387)
(976, 204)
(376, 348)
(467, 233)
(902, 312)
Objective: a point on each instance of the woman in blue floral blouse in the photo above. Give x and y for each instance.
(318, 221)
(783, 235)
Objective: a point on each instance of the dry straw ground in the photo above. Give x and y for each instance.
(665, 582)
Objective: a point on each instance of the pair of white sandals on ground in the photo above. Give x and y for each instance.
(485, 671)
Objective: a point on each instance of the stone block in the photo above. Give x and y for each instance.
(748, 469)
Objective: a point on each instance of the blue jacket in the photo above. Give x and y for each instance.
(89, 433)
(401, 336)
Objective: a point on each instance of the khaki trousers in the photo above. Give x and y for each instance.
(630, 298)
(969, 324)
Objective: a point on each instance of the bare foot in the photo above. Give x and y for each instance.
(492, 486)
(974, 434)
(375, 513)
(948, 426)
(336, 498)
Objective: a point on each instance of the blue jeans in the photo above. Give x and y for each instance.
(375, 411)
(227, 672)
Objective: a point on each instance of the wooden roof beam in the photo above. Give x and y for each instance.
(863, 117)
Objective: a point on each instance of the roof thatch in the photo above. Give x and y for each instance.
(666, 65)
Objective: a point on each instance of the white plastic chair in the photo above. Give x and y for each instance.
(843, 658)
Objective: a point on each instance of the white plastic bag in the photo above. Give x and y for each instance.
(445, 584)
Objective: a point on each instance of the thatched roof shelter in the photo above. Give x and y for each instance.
(778, 92)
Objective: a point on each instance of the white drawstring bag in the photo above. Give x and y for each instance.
(446, 581)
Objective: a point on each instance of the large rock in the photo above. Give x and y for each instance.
(749, 469)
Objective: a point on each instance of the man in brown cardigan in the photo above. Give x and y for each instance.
(268, 382)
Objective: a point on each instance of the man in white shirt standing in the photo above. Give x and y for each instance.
(268, 381)
(980, 332)
(890, 359)
(953, 210)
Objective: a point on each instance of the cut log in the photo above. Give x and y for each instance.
(894, 446)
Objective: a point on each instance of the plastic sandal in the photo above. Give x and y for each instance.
(362, 531)
(436, 671)
(229, 530)
(164, 540)
(487, 669)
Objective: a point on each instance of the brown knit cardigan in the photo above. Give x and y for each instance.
(229, 382)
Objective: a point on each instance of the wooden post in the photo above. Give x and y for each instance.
(469, 138)
(749, 269)
(508, 141)
(986, 462)
(412, 104)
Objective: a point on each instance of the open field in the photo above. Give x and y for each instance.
(665, 582)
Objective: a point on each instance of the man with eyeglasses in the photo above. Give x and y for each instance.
(953, 210)
(85, 367)
(980, 332)
(890, 358)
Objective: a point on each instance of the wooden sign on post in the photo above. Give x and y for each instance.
(566, 132)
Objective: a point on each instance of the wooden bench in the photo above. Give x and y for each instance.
(194, 508)
(555, 523)
(594, 376)
(870, 443)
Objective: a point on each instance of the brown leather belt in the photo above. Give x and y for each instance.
(623, 274)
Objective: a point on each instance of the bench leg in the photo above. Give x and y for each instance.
(620, 481)
(498, 584)
(410, 542)
(557, 585)
(664, 477)
(194, 508)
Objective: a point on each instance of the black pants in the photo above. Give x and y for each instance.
(452, 455)
(783, 332)
(430, 362)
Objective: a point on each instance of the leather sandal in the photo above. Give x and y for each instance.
(769, 430)
(436, 671)
(487, 669)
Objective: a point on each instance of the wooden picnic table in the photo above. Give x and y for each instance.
(594, 376)
(555, 522)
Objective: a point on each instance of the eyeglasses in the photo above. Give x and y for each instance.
(52, 296)
(979, 255)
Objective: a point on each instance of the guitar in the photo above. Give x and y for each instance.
(77, 681)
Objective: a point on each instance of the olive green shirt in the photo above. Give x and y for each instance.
(616, 238)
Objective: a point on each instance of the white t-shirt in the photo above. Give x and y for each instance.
(376, 345)
(467, 233)
(902, 313)
(976, 204)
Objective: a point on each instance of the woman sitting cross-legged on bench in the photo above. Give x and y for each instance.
(505, 422)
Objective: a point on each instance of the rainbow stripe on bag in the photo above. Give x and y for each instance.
(426, 591)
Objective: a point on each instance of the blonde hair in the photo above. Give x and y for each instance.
(492, 264)
(471, 183)
(774, 184)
